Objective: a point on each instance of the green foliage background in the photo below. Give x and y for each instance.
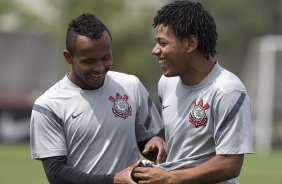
(238, 22)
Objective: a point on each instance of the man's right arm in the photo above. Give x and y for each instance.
(58, 172)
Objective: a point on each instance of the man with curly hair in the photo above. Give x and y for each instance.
(205, 108)
(90, 126)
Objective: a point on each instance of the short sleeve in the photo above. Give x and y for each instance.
(46, 133)
(233, 125)
(148, 119)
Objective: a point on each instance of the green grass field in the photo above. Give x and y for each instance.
(17, 167)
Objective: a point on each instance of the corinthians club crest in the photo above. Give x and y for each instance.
(121, 108)
(198, 115)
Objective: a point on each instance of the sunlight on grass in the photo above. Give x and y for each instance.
(17, 167)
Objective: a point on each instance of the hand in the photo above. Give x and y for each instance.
(151, 175)
(156, 144)
(124, 176)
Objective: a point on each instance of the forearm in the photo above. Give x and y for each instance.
(58, 172)
(219, 168)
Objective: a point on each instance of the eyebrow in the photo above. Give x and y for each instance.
(160, 38)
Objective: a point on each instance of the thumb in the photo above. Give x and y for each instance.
(147, 149)
(136, 164)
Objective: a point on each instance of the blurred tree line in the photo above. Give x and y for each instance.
(130, 22)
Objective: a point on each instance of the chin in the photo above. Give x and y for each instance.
(167, 74)
(97, 86)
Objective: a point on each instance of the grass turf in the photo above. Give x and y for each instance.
(16, 167)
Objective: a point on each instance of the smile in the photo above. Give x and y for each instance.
(162, 61)
(96, 76)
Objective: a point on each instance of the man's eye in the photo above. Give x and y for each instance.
(88, 61)
(106, 58)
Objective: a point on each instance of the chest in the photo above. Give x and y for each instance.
(190, 112)
(92, 114)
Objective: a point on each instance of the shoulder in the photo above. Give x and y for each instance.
(167, 85)
(168, 82)
(123, 78)
(227, 81)
(56, 92)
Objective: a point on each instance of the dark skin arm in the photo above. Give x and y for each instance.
(154, 149)
(217, 169)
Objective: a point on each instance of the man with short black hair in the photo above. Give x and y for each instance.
(90, 126)
(205, 108)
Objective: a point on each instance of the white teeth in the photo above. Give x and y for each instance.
(96, 76)
(162, 61)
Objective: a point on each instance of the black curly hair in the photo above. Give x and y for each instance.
(87, 25)
(186, 18)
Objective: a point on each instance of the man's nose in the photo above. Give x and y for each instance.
(156, 50)
(98, 66)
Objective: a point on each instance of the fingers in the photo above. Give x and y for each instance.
(161, 157)
(137, 173)
(148, 148)
(133, 171)
(141, 175)
(161, 152)
(133, 177)
(133, 166)
(136, 164)
(157, 145)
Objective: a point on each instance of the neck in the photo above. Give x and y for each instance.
(198, 72)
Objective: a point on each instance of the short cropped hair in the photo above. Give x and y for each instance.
(186, 18)
(87, 25)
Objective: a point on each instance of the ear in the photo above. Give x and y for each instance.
(68, 56)
(192, 43)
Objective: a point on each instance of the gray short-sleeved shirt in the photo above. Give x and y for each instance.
(96, 129)
(201, 121)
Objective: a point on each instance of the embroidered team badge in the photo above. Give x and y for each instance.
(198, 115)
(121, 108)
